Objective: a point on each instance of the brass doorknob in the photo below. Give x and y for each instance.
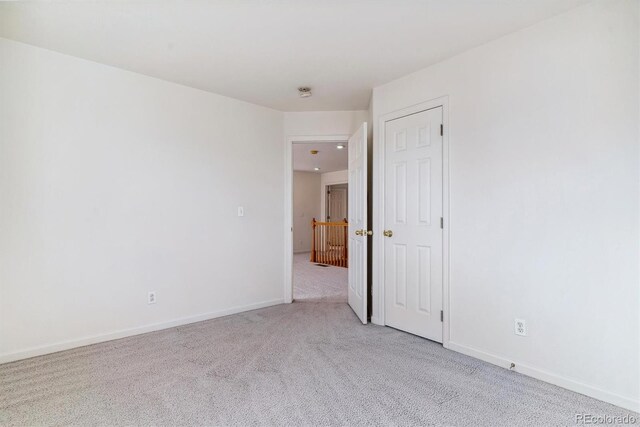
(358, 232)
(388, 233)
(368, 233)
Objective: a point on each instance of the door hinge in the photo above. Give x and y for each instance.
(441, 316)
(441, 130)
(442, 222)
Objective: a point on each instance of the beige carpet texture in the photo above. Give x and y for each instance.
(310, 363)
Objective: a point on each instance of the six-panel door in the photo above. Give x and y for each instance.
(357, 199)
(413, 213)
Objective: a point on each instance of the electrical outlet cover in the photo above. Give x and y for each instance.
(151, 298)
(520, 326)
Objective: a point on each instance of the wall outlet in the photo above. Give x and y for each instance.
(151, 298)
(520, 326)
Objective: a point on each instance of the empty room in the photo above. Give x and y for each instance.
(320, 213)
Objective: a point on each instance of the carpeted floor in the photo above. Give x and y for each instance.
(307, 363)
(319, 284)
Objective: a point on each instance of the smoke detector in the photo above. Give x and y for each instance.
(304, 92)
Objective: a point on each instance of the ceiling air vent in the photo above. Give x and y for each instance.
(304, 92)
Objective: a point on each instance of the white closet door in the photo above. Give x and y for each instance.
(413, 217)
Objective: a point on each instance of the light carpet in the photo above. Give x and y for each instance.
(307, 363)
(319, 284)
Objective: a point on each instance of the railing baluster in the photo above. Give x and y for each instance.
(322, 242)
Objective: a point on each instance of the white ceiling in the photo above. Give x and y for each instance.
(328, 159)
(262, 50)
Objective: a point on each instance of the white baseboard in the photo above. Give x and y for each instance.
(559, 380)
(80, 342)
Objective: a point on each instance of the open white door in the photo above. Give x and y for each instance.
(358, 230)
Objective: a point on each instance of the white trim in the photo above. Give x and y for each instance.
(378, 210)
(549, 377)
(288, 202)
(123, 333)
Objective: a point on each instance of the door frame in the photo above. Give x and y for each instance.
(378, 293)
(288, 201)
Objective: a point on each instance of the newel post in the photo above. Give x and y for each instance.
(346, 243)
(313, 240)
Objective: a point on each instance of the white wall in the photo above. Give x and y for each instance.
(544, 197)
(113, 184)
(323, 122)
(330, 178)
(306, 206)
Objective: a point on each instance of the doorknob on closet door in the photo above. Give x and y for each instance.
(358, 232)
(388, 233)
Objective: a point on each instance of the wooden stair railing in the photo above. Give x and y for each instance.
(329, 243)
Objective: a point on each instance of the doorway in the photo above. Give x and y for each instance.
(337, 202)
(355, 231)
(320, 253)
